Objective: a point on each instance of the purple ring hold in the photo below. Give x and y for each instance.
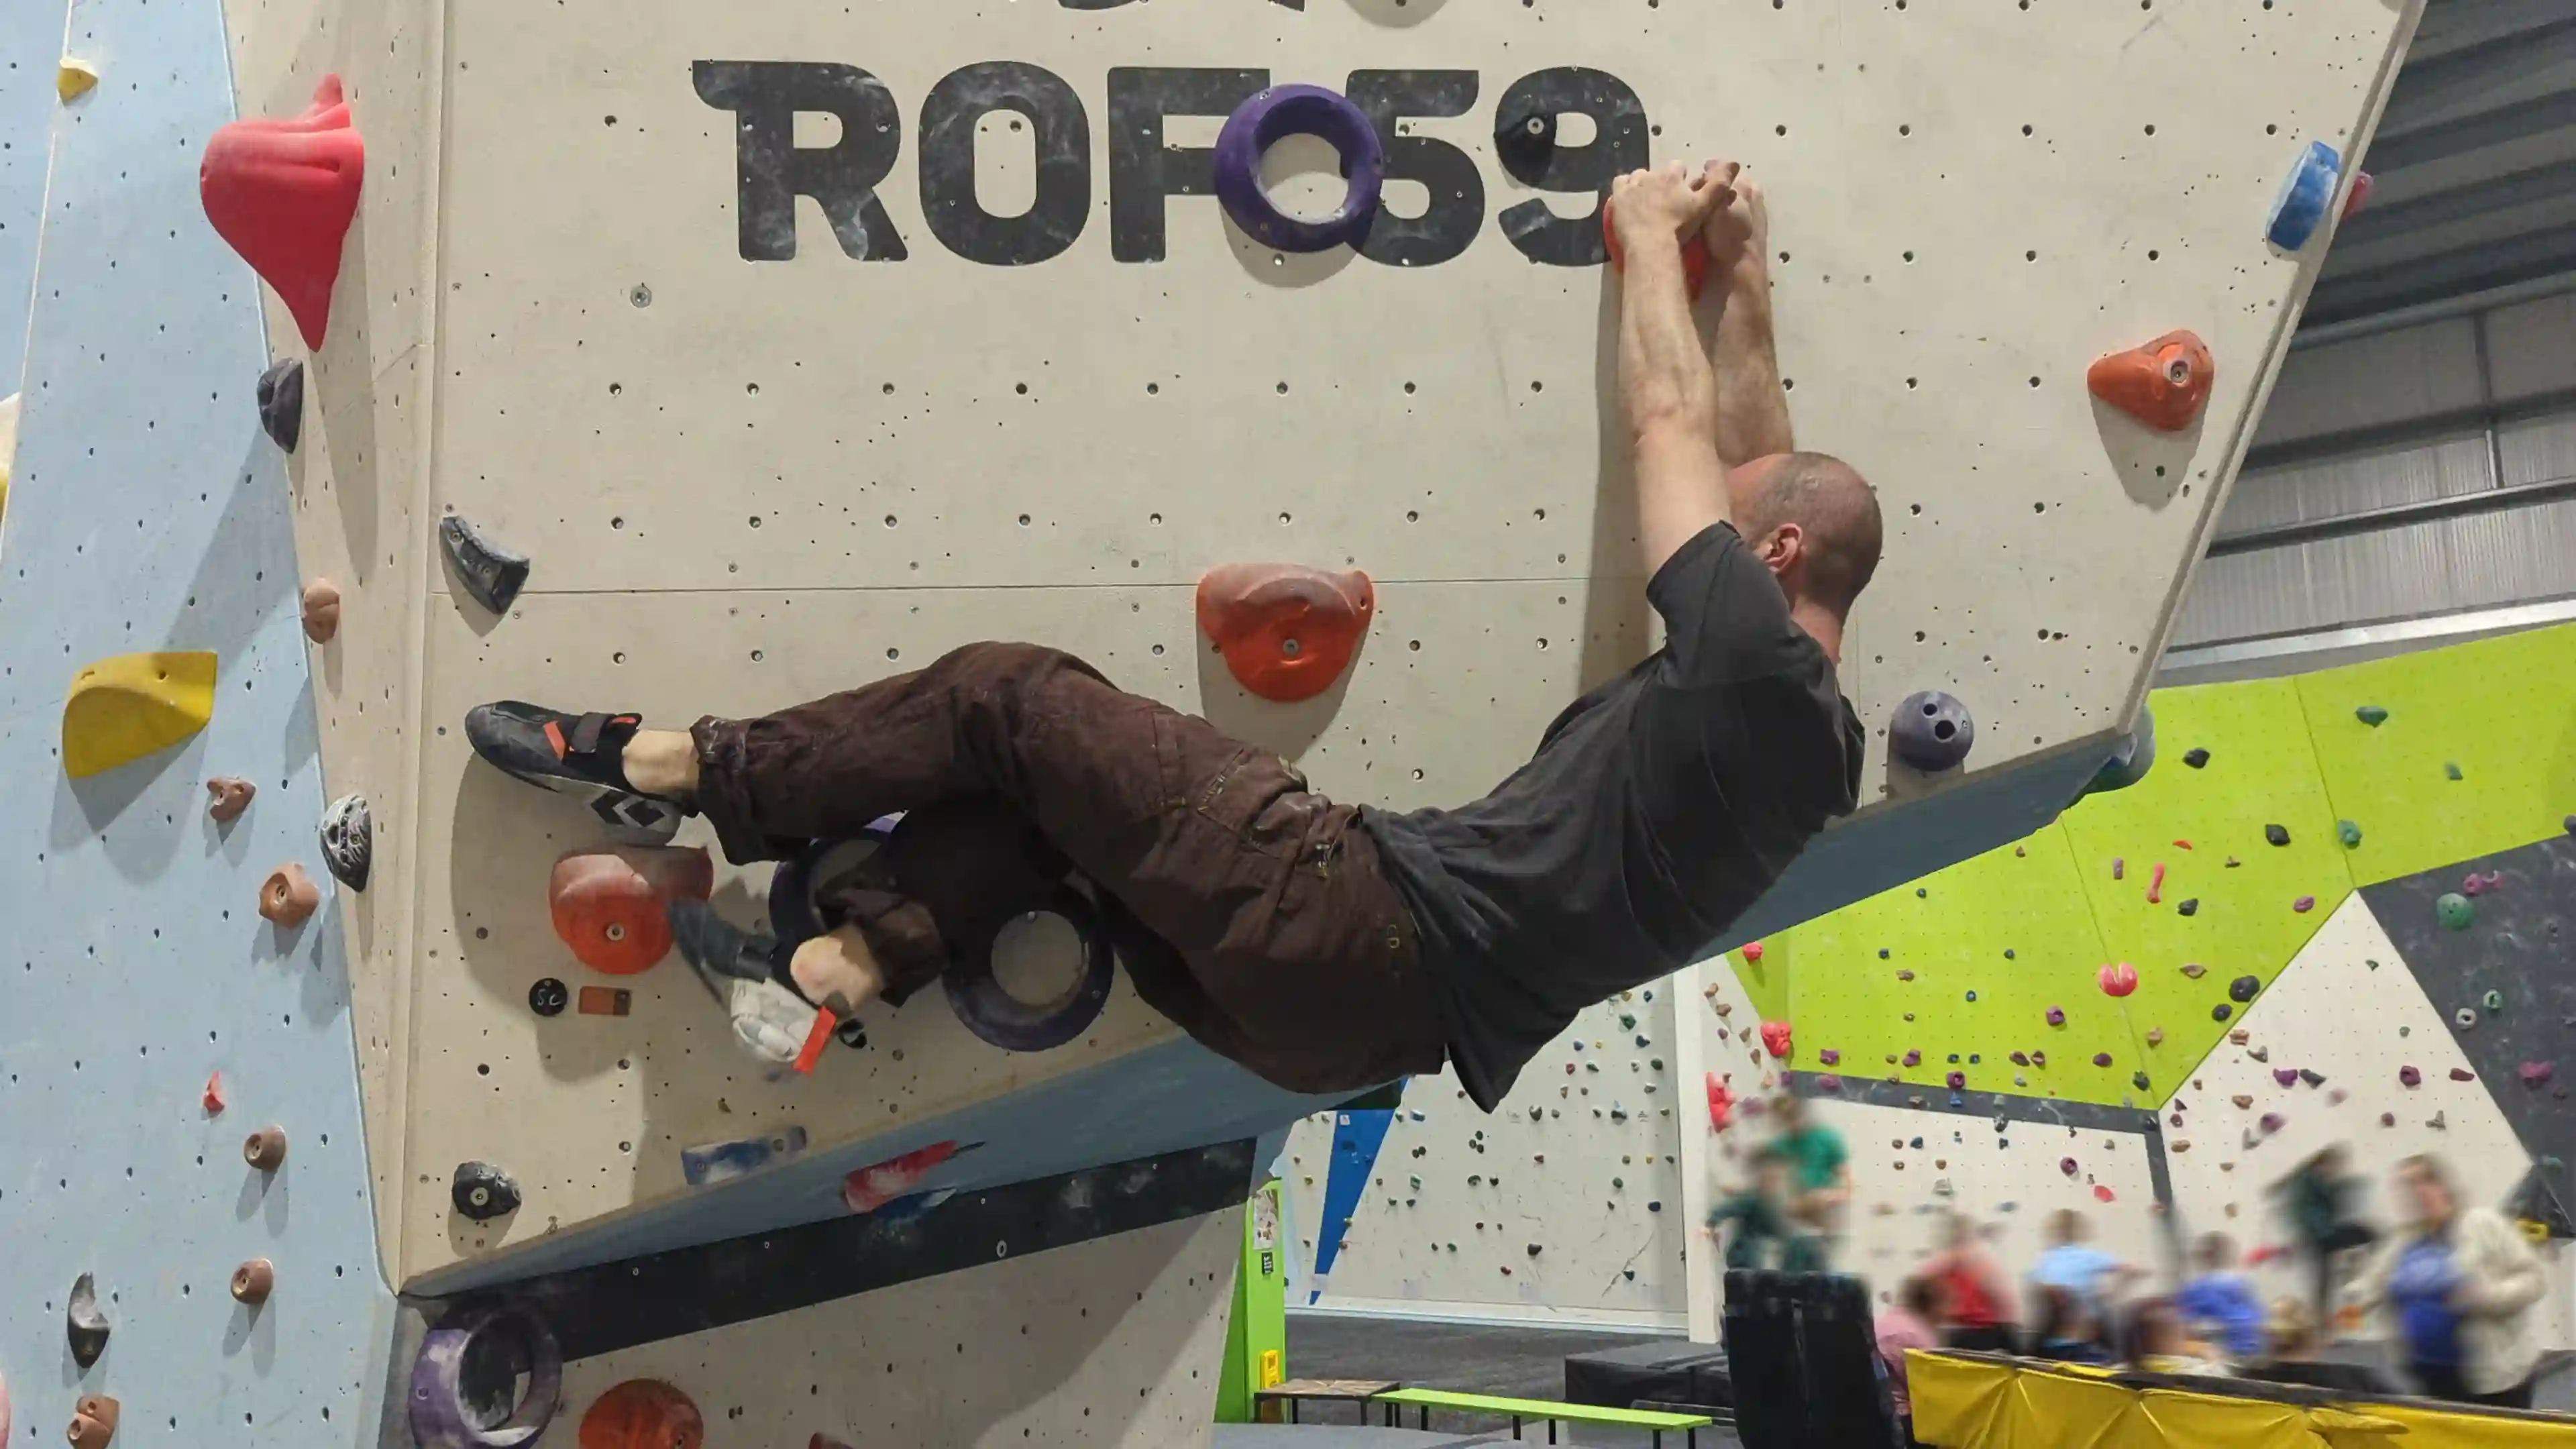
(1299, 110)
(1003, 1020)
(440, 1416)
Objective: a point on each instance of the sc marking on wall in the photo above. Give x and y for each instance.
(771, 171)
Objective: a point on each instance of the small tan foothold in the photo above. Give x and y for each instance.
(265, 1149)
(230, 797)
(93, 1422)
(288, 896)
(2240, 1036)
(2181, 1144)
(2243, 1101)
(321, 610)
(253, 1280)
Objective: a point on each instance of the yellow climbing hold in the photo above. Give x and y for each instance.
(74, 78)
(126, 707)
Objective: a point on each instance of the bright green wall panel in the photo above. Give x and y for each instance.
(2261, 772)
(1952, 930)
(2503, 710)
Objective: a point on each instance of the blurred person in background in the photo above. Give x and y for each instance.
(2294, 1354)
(2072, 1262)
(2219, 1303)
(2064, 1327)
(2320, 1195)
(1820, 1180)
(1907, 1324)
(2460, 1282)
(2157, 1343)
(1976, 1293)
(1767, 1234)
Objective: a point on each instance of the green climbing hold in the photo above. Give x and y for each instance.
(1627, 1022)
(2371, 715)
(2454, 911)
(2495, 1001)
(2451, 768)
(2349, 832)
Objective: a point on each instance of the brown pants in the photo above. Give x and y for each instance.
(1276, 939)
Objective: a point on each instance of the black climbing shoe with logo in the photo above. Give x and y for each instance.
(723, 951)
(577, 755)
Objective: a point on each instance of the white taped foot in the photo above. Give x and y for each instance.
(769, 1020)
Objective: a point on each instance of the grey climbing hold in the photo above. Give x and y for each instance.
(483, 1192)
(2465, 1017)
(348, 841)
(2243, 989)
(2277, 834)
(2311, 1077)
(2371, 715)
(489, 572)
(85, 1328)
(1932, 731)
(281, 403)
(2197, 759)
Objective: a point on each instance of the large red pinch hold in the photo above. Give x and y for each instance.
(1287, 631)
(2163, 384)
(283, 191)
(609, 904)
(1776, 1038)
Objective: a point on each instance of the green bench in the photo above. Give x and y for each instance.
(1655, 1421)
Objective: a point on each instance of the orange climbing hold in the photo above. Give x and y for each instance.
(288, 896)
(93, 1422)
(643, 1414)
(282, 191)
(609, 903)
(1287, 631)
(2163, 384)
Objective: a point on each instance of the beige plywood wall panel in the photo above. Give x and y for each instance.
(358, 476)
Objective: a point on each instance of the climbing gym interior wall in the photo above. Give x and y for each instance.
(2329, 915)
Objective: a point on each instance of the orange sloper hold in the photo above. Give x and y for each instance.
(1287, 631)
(608, 903)
(2163, 384)
(643, 1414)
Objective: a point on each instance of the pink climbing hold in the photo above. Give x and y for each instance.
(282, 191)
(1752, 950)
(1776, 1038)
(2304, 904)
(2463, 1074)
(1721, 1104)
(1830, 1057)
(2066, 1165)
(2537, 1074)
(2409, 1077)
(2478, 885)
(212, 1099)
(2102, 1192)
(2272, 1122)
(2118, 978)
(2156, 886)
(1958, 1080)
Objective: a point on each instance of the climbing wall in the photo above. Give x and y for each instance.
(980, 381)
(1562, 1205)
(150, 1021)
(2409, 917)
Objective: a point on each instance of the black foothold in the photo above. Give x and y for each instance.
(84, 1327)
(549, 997)
(1524, 139)
(2197, 759)
(1932, 731)
(491, 573)
(2277, 834)
(2221, 1012)
(483, 1192)
(281, 403)
(2141, 1080)
(2243, 988)
(852, 1032)
(2190, 907)
(349, 841)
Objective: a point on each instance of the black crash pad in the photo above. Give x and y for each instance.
(1671, 1371)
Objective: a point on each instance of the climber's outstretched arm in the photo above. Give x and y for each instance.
(1752, 406)
(1667, 389)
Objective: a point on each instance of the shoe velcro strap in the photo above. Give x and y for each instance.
(586, 732)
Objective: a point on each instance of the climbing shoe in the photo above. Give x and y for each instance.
(746, 972)
(576, 755)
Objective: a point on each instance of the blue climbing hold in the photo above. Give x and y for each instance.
(1932, 731)
(2305, 194)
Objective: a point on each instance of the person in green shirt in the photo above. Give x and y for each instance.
(1820, 1167)
(1766, 1235)
(2318, 1195)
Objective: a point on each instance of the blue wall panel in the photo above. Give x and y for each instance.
(31, 36)
(149, 512)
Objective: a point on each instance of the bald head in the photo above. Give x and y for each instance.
(1828, 511)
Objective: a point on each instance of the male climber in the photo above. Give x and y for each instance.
(1331, 947)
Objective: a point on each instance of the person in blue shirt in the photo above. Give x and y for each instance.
(2072, 1263)
(2220, 1304)
(2461, 1283)
(2066, 1329)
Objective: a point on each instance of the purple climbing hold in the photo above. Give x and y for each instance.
(1958, 1080)
(2066, 1165)
(2119, 867)
(1829, 1083)
(2021, 1059)
(2285, 1076)
(2272, 1122)
(2101, 1059)
(2039, 1059)
(1830, 1057)
(1914, 1058)
(2463, 1074)
(2304, 904)
(1299, 110)
(1932, 731)
(2057, 1016)
(2536, 1074)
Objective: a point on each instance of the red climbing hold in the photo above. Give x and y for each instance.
(2117, 978)
(870, 1188)
(212, 1099)
(1287, 631)
(2163, 384)
(1753, 951)
(609, 903)
(2102, 1193)
(1721, 1104)
(2363, 183)
(1695, 255)
(283, 191)
(1775, 1038)
(643, 1414)
(2156, 887)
